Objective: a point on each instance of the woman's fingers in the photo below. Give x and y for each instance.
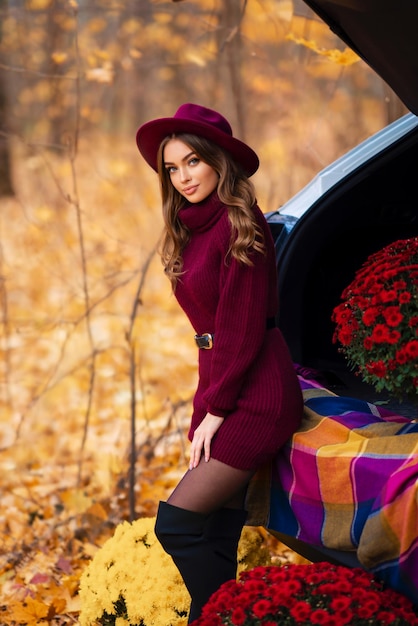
(202, 439)
(206, 447)
(195, 451)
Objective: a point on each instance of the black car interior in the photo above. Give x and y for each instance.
(373, 207)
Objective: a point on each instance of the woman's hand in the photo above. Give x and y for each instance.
(202, 438)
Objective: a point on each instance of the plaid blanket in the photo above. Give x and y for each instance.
(348, 480)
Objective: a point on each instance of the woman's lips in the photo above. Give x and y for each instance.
(189, 190)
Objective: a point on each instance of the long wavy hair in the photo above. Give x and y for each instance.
(234, 190)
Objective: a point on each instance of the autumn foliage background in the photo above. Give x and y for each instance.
(97, 364)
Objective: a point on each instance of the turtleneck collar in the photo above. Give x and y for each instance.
(201, 216)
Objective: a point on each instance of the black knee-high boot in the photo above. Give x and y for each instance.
(203, 547)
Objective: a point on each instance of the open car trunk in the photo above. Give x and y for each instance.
(383, 33)
(361, 203)
(374, 205)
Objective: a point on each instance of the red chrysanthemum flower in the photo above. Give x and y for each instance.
(292, 586)
(324, 594)
(392, 315)
(385, 617)
(367, 343)
(394, 337)
(343, 314)
(320, 616)
(345, 337)
(223, 601)
(401, 357)
(411, 349)
(301, 611)
(376, 369)
(377, 320)
(238, 616)
(388, 296)
(261, 608)
(369, 315)
(380, 333)
(340, 603)
(367, 610)
(404, 297)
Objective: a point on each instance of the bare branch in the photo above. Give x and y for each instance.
(25, 70)
(132, 369)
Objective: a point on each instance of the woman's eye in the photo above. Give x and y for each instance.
(171, 169)
(194, 161)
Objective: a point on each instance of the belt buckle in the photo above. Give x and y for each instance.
(204, 342)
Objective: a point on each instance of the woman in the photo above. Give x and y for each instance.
(219, 256)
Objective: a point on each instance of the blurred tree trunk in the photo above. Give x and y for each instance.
(58, 109)
(6, 187)
(231, 17)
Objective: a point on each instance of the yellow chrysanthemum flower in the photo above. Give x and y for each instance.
(132, 582)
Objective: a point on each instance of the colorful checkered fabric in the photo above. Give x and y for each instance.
(348, 481)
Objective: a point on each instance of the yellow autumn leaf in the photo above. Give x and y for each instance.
(59, 57)
(343, 57)
(72, 603)
(340, 57)
(97, 510)
(58, 605)
(31, 612)
(76, 500)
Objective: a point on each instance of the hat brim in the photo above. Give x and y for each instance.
(150, 135)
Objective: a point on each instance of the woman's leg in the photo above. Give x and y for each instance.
(211, 486)
(200, 527)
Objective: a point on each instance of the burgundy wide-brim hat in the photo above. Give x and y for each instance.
(196, 120)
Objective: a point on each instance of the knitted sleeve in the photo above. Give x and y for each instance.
(240, 328)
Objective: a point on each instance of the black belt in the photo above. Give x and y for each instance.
(205, 341)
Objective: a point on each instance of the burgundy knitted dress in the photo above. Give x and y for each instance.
(248, 375)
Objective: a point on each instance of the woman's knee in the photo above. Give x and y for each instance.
(173, 522)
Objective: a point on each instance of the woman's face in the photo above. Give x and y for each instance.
(193, 178)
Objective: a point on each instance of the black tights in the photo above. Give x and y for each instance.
(210, 486)
(200, 526)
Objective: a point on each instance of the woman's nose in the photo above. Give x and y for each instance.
(184, 174)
